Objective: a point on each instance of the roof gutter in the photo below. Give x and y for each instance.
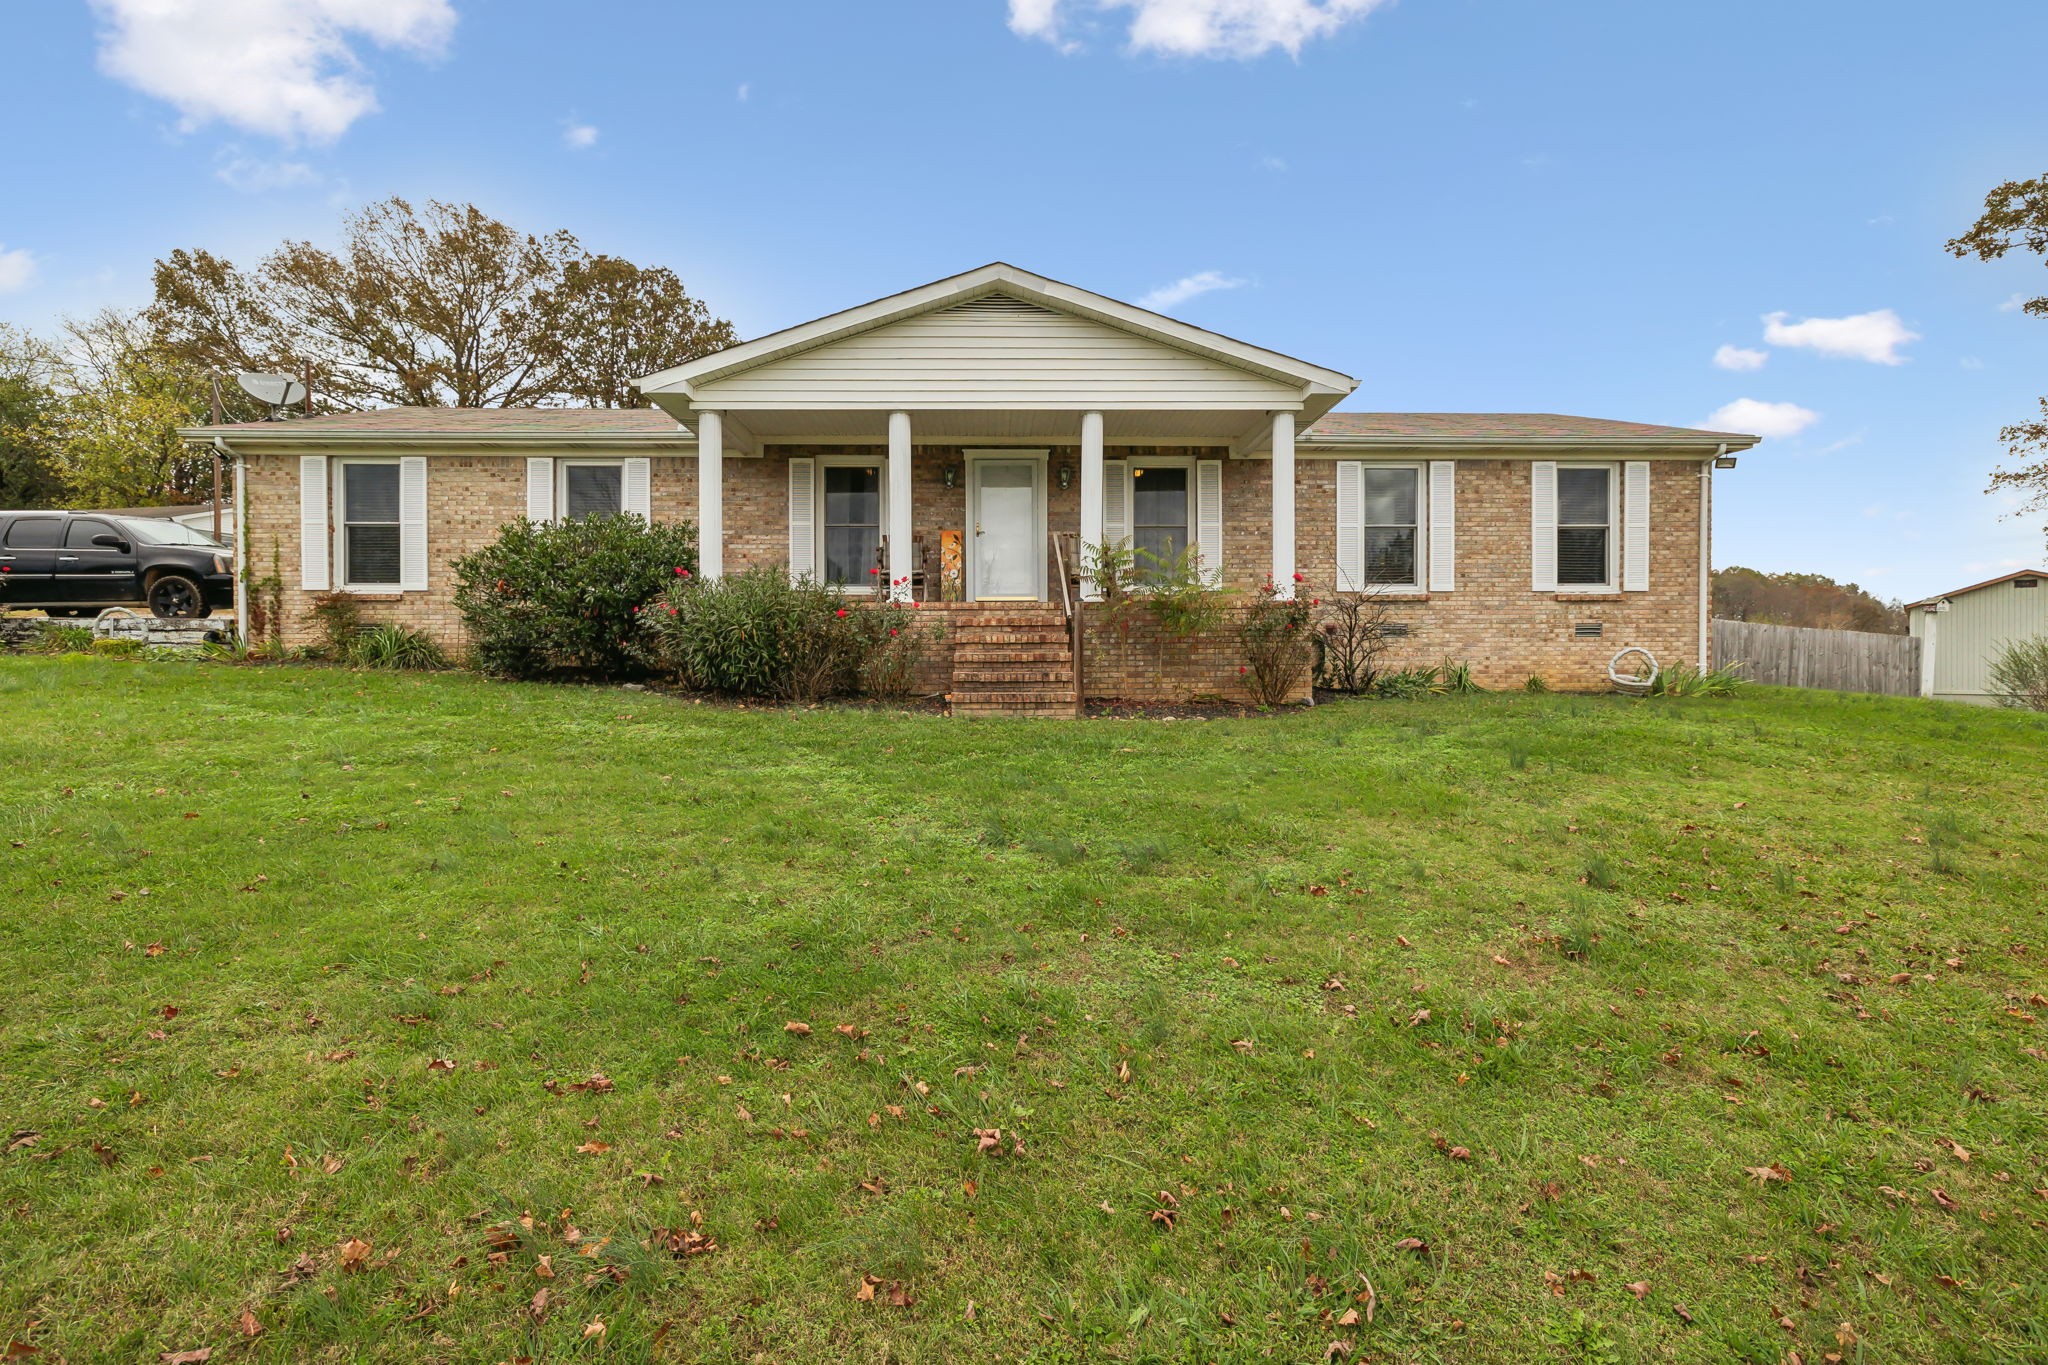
(679, 439)
(1339, 442)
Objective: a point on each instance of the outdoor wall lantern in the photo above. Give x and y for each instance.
(1066, 477)
(952, 475)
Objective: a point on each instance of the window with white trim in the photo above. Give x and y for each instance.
(1585, 526)
(1392, 497)
(850, 524)
(1162, 515)
(367, 533)
(589, 488)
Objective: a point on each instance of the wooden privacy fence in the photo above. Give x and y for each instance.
(1838, 660)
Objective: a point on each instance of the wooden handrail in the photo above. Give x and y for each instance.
(1073, 608)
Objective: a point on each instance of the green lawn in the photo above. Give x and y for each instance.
(1500, 1005)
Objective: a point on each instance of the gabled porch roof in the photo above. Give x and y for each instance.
(998, 339)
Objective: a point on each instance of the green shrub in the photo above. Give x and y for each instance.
(1177, 591)
(339, 615)
(1683, 680)
(114, 647)
(1456, 679)
(55, 637)
(1355, 634)
(564, 595)
(1407, 684)
(762, 634)
(394, 647)
(1534, 683)
(1277, 643)
(2019, 674)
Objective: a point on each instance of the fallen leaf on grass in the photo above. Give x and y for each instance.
(544, 1267)
(538, 1304)
(684, 1242)
(868, 1285)
(250, 1327)
(17, 1349)
(1941, 1198)
(1639, 1288)
(1956, 1149)
(595, 1329)
(198, 1357)
(594, 1148)
(354, 1252)
(1414, 1244)
(801, 1030)
(1765, 1174)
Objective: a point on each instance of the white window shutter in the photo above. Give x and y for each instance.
(540, 489)
(1209, 518)
(315, 539)
(1543, 525)
(803, 519)
(636, 487)
(1635, 532)
(1116, 502)
(1443, 525)
(412, 523)
(1350, 526)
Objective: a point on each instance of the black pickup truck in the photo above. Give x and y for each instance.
(80, 563)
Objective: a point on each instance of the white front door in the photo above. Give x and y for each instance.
(1006, 501)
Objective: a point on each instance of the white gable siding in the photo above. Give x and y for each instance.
(995, 353)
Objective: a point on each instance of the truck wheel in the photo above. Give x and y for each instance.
(173, 596)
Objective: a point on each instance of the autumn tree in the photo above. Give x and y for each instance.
(2016, 216)
(1803, 599)
(110, 430)
(28, 372)
(444, 306)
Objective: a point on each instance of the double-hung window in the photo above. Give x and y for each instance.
(590, 488)
(852, 523)
(1160, 516)
(1585, 526)
(369, 523)
(1392, 525)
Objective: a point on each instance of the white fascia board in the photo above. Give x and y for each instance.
(1675, 446)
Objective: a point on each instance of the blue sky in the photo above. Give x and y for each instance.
(1469, 204)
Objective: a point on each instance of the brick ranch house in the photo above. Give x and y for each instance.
(962, 439)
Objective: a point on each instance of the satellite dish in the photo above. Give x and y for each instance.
(277, 390)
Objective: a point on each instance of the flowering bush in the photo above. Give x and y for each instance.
(1274, 633)
(762, 634)
(567, 595)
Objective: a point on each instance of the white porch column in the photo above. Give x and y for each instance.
(710, 494)
(1283, 504)
(1091, 496)
(901, 559)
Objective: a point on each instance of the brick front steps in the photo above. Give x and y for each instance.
(1012, 660)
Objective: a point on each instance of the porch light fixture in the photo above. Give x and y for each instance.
(1066, 477)
(952, 475)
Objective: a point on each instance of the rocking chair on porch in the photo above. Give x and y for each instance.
(920, 556)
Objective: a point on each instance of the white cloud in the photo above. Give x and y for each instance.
(1192, 286)
(1198, 28)
(2013, 304)
(746, 92)
(579, 136)
(1772, 421)
(17, 268)
(1875, 337)
(257, 175)
(1740, 358)
(285, 68)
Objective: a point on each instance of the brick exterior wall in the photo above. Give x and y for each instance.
(469, 498)
(1492, 620)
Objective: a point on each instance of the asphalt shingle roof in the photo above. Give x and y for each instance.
(479, 421)
(1500, 427)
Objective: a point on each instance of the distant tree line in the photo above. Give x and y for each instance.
(1803, 599)
(443, 306)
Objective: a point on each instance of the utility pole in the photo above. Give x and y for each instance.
(214, 378)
